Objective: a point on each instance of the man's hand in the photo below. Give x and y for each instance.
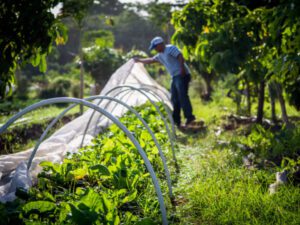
(136, 59)
(182, 71)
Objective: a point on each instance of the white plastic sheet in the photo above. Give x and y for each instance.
(68, 138)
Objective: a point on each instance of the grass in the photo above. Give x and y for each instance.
(25, 131)
(215, 188)
(218, 190)
(38, 115)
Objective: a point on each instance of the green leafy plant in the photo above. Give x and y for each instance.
(104, 183)
(267, 144)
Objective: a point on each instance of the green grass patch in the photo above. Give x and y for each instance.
(38, 115)
(218, 190)
(214, 186)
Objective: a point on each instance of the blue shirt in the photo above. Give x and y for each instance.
(169, 58)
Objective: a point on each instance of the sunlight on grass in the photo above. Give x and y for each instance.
(215, 188)
(39, 115)
(211, 112)
(222, 105)
(221, 191)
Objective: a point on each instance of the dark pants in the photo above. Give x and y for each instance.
(180, 98)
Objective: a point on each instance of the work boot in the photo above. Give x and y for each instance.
(194, 123)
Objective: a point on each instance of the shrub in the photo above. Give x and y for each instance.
(58, 88)
(101, 63)
(274, 145)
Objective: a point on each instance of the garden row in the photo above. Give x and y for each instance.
(106, 182)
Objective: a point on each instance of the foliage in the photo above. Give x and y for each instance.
(101, 62)
(107, 7)
(105, 183)
(224, 193)
(215, 187)
(12, 105)
(250, 41)
(59, 87)
(24, 133)
(160, 14)
(135, 53)
(101, 38)
(26, 38)
(133, 31)
(292, 166)
(267, 144)
(76, 9)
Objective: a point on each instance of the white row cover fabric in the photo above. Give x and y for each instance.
(69, 137)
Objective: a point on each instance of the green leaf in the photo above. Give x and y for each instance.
(43, 63)
(39, 206)
(63, 212)
(100, 169)
(107, 204)
(117, 220)
(93, 200)
(145, 135)
(134, 182)
(35, 60)
(50, 166)
(49, 196)
(109, 21)
(130, 197)
(79, 173)
(122, 192)
(82, 216)
(185, 52)
(146, 221)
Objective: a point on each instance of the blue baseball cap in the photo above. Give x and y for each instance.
(155, 41)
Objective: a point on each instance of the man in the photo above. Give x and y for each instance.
(172, 59)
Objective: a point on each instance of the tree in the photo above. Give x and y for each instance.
(283, 23)
(219, 38)
(161, 14)
(78, 9)
(101, 62)
(133, 31)
(27, 31)
(255, 41)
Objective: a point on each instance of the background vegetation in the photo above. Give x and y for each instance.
(245, 59)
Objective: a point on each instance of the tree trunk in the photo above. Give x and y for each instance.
(273, 109)
(272, 94)
(207, 79)
(261, 98)
(248, 96)
(282, 103)
(81, 71)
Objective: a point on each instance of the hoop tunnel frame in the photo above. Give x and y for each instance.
(159, 98)
(114, 120)
(53, 122)
(156, 107)
(172, 138)
(152, 102)
(142, 91)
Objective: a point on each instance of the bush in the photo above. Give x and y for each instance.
(274, 145)
(58, 88)
(101, 63)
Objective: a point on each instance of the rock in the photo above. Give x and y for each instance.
(281, 179)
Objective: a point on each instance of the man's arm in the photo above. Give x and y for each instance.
(145, 61)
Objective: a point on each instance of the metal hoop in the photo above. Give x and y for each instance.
(116, 121)
(53, 122)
